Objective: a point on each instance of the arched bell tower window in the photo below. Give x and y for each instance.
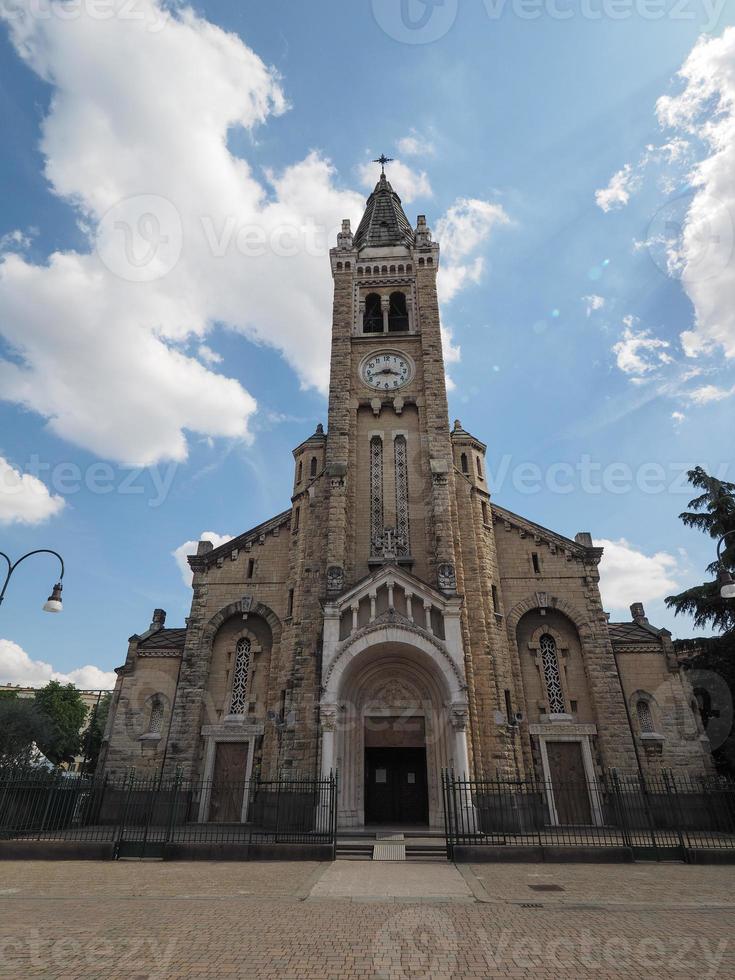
(312, 466)
(372, 321)
(645, 717)
(397, 312)
(552, 675)
(238, 701)
(463, 463)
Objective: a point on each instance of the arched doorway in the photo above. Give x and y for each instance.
(393, 717)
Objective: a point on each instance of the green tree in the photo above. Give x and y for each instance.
(713, 513)
(22, 724)
(92, 735)
(63, 706)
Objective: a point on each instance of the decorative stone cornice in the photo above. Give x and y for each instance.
(543, 535)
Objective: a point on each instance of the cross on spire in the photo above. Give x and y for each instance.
(382, 160)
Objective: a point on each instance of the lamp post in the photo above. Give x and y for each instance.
(724, 577)
(53, 603)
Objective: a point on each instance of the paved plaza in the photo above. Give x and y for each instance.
(353, 919)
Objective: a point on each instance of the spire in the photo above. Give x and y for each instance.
(384, 221)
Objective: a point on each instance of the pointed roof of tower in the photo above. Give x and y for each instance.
(384, 221)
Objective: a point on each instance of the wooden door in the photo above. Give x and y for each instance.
(569, 783)
(228, 782)
(396, 789)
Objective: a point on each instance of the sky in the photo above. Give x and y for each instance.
(173, 178)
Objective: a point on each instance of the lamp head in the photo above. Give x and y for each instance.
(726, 584)
(53, 603)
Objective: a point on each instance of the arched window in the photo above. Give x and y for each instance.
(372, 321)
(645, 717)
(155, 719)
(463, 463)
(312, 466)
(552, 676)
(479, 466)
(238, 701)
(299, 470)
(296, 518)
(402, 517)
(376, 495)
(397, 312)
(483, 505)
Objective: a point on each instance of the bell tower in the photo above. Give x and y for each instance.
(389, 453)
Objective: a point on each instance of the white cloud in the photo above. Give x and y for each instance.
(190, 548)
(405, 181)
(24, 499)
(466, 226)
(705, 109)
(710, 393)
(678, 418)
(593, 303)
(628, 575)
(617, 193)
(452, 353)
(637, 352)
(100, 356)
(208, 355)
(15, 241)
(415, 144)
(16, 667)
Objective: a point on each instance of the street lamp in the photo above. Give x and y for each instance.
(724, 577)
(53, 603)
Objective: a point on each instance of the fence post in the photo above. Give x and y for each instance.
(49, 797)
(670, 784)
(173, 806)
(445, 805)
(128, 784)
(278, 806)
(620, 809)
(333, 815)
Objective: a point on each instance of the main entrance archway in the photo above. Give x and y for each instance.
(393, 717)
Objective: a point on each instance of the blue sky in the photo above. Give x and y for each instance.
(590, 345)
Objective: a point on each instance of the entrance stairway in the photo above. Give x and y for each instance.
(391, 844)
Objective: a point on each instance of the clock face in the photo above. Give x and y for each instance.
(386, 371)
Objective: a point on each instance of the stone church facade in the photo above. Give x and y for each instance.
(395, 621)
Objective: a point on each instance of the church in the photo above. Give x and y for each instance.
(396, 621)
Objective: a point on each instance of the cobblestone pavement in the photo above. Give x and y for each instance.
(291, 921)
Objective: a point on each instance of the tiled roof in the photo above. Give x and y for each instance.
(164, 639)
(625, 633)
(384, 221)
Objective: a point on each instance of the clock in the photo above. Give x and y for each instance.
(386, 370)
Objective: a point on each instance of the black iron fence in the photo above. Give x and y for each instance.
(142, 814)
(654, 817)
